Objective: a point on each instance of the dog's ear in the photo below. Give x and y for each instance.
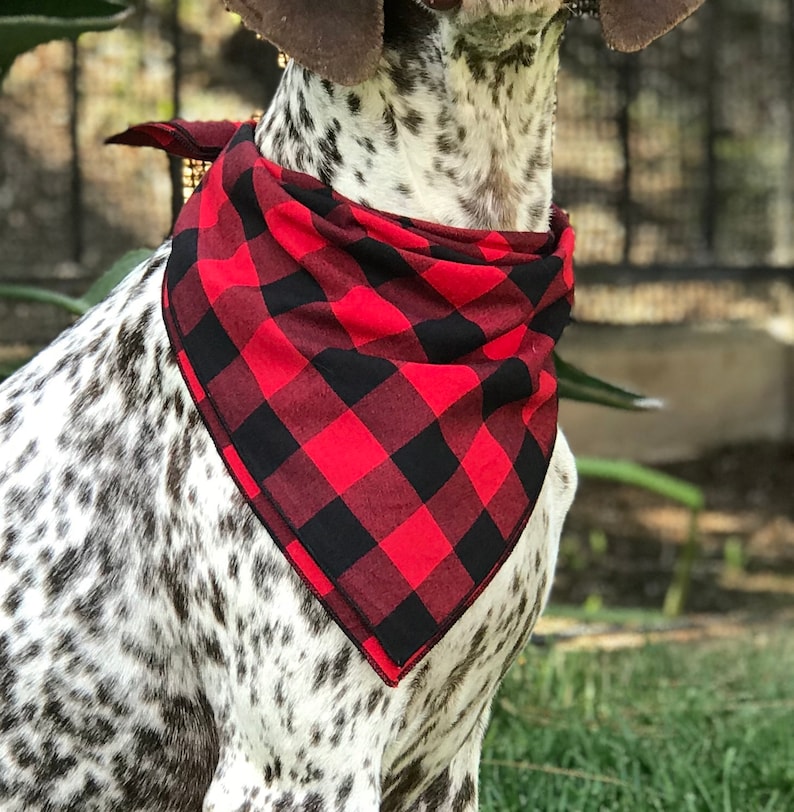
(629, 25)
(340, 40)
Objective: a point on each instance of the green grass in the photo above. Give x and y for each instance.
(707, 726)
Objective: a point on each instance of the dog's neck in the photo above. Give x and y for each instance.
(454, 130)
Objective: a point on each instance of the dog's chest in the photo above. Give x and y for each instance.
(307, 682)
(146, 549)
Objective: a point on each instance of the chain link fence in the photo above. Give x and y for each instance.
(682, 154)
(677, 164)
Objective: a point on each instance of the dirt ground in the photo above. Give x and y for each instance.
(621, 543)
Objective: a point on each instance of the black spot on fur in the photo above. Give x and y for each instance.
(313, 613)
(304, 116)
(212, 648)
(53, 763)
(8, 675)
(176, 591)
(413, 121)
(13, 599)
(405, 782)
(373, 699)
(320, 673)
(217, 601)
(331, 159)
(313, 803)
(340, 666)
(343, 792)
(465, 795)
(9, 419)
(435, 795)
(179, 455)
(130, 346)
(234, 567)
(62, 571)
(390, 123)
(23, 752)
(54, 714)
(404, 80)
(354, 103)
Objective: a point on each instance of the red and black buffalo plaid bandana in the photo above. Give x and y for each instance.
(382, 390)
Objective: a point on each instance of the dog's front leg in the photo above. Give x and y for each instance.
(335, 781)
(302, 719)
(455, 788)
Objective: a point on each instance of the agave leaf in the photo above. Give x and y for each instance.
(24, 24)
(8, 369)
(113, 275)
(632, 473)
(30, 293)
(576, 384)
(95, 294)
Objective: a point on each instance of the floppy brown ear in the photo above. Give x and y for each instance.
(629, 25)
(340, 40)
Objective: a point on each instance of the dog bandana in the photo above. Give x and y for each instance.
(382, 390)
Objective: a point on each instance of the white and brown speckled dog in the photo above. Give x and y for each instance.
(157, 652)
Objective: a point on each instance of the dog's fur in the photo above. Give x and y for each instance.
(157, 652)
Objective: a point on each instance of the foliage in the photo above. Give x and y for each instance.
(672, 488)
(24, 24)
(631, 473)
(95, 294)
(576, 384)
(77, 306)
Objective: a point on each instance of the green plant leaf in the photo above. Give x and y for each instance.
(95, 294)
(113, 275)
(24, 24)
(632, 473)
(8, 369)
(29, 293)
(77, 307)
(576, 384)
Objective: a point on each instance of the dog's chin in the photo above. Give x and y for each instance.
(469, 11)
(495, 26)
(492, 27)
(473, 10)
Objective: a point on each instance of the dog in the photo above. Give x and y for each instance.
(157, 650)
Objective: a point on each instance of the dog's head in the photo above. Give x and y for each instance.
(342, 40)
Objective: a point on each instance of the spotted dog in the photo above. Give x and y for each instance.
(157, 650)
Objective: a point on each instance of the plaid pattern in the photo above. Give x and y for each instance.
(382, 390)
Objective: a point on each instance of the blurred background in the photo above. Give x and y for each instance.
(677, 167)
